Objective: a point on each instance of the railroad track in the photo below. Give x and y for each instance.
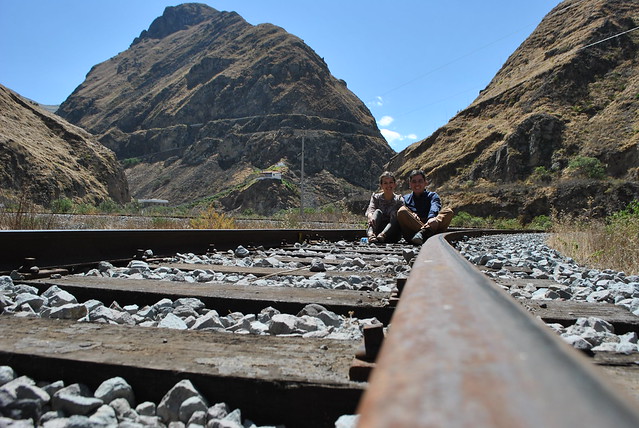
(459, 350)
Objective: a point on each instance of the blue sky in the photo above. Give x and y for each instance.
(415, 63)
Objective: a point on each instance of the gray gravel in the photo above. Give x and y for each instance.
(574, 282)
(186, 313)
(354, 269)
(190, 313)
(27, 403)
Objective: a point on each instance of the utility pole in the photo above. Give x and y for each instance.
(302, 182)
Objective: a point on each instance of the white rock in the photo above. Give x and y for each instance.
(172, 321)
(210, 320)
(330, 318)
(7, 374)
(282, 324)
(577, 342)
(69, 311)
(61, 298)
(190, 406)
(169, 406)
(113, 388)
(626, 348)
(146, 409)
(75, 404)
(347, 421)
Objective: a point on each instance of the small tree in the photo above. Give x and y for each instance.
(587, 167)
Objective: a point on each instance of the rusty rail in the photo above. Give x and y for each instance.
(48, 248)
(461, 352)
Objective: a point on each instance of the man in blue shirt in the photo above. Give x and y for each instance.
(422, 215)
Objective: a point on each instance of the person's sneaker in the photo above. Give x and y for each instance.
(418, 238)
(421, 236)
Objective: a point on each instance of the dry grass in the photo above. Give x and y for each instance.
(211, 219)
(21, 214)
(610, 244)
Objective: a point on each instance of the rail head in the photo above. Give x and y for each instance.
(461, 352)
(49, 248)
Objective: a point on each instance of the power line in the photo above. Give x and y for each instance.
(421, 76)
(609, 38)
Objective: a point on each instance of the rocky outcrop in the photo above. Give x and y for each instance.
(44, 158)
(569, 90)
(203, 100)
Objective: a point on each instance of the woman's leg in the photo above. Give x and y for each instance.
(378, 222)
(391, 232)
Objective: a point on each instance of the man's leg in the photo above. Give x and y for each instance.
(409, 223)
(440, 222)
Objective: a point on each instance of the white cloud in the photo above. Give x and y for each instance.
(391, 136)
(385, 121)
(397, 140)
(377, 102)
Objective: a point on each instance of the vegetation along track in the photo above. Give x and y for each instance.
(459, 350)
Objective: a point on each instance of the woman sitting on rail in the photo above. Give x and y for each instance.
(382, 211)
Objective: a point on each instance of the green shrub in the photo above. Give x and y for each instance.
(62, 206)
(504, 223)
(108, 206)
(541, 174)
(464, 219)
(130, 162)
(85, 209)
(587, 167)
(541, 222)
(630, 212)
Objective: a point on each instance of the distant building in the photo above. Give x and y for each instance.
(148, 202)
(270, 175)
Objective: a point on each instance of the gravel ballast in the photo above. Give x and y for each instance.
(578, 283)
(27, 403)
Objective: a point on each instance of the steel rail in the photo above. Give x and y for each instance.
(48, 248)
(460, 352)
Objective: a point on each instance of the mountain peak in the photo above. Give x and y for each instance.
(177, 18)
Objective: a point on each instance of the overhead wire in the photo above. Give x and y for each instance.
(609, 38)
(484, 47)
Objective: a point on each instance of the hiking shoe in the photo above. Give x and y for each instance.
(421, 236)
(418, 238)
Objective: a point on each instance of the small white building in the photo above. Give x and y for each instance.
(149, 202)
(270, 175)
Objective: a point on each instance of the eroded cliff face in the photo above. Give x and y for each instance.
(564, 93)
(45, 158)
(205, 100)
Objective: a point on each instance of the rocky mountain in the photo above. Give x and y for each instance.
(570, 92)
(45, 158)
(202, 101)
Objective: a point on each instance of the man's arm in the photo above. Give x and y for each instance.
(435, 205)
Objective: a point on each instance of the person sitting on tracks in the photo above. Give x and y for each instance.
(381, 213)
(422, 215)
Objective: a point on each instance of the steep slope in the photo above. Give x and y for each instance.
(571, 89)
(45, 158)
(203, 100)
